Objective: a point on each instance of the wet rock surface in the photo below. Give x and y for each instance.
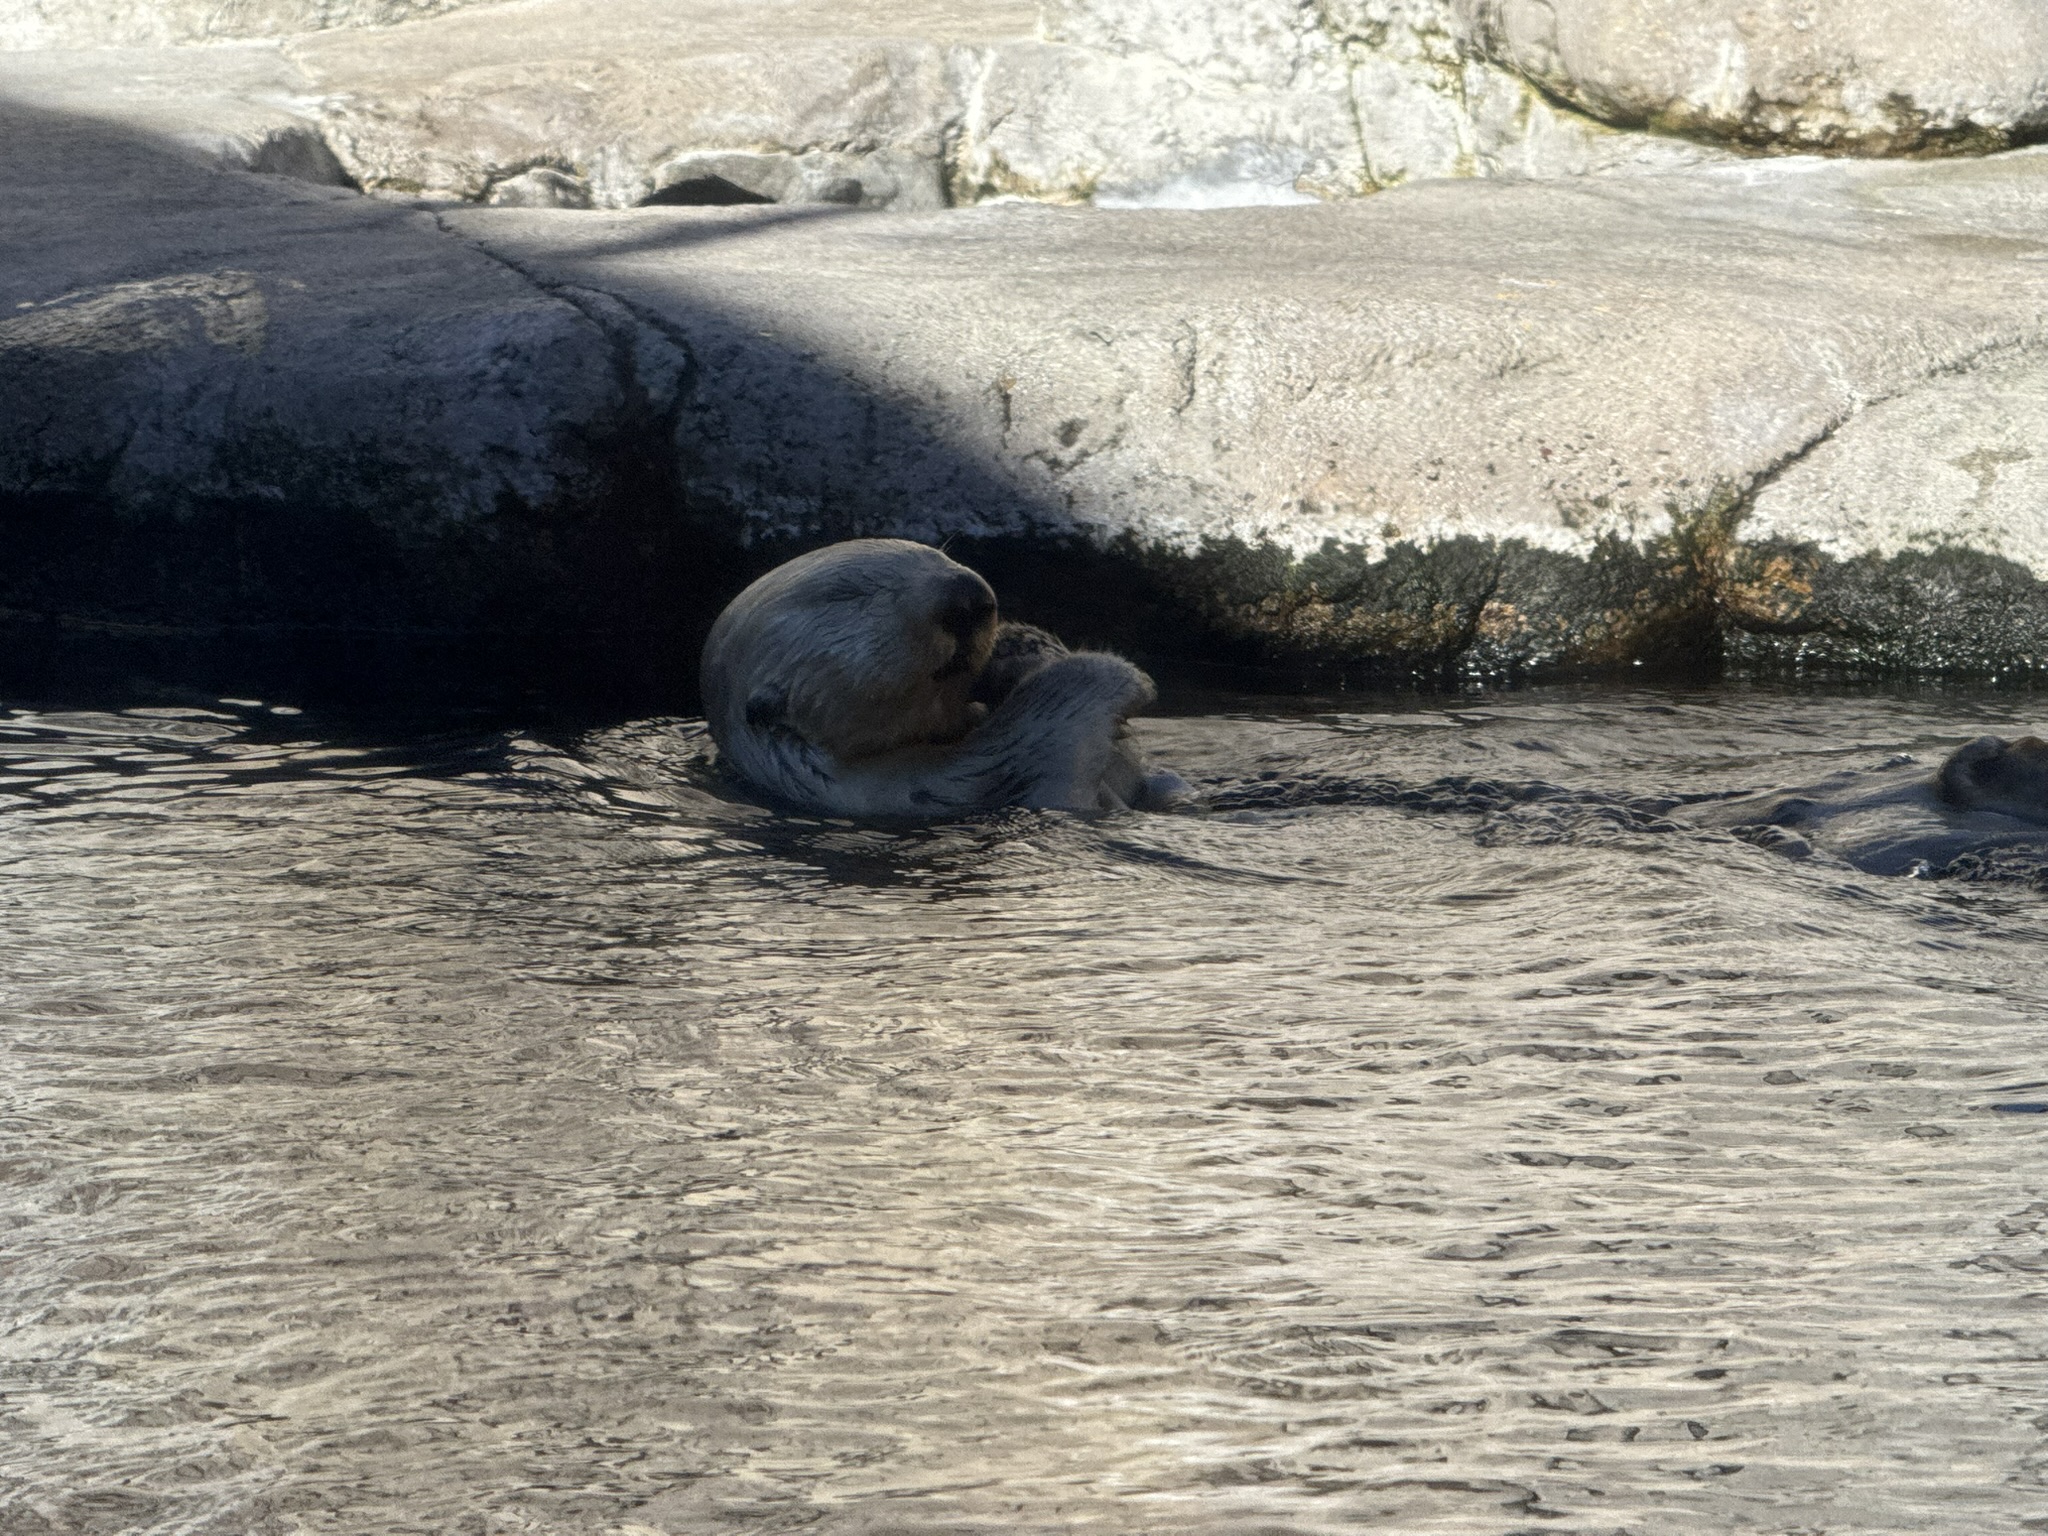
(1473, 425)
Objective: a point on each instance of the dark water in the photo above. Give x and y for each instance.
(479, 1134)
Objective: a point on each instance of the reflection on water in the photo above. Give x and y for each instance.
(1441, 1134)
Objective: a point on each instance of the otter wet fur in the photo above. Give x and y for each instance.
(1993, 774)
(1894, 819)
(874, 679)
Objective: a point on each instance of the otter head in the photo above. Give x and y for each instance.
(859, 648)
(1992, 774)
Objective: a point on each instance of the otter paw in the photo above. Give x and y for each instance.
(1020, 651)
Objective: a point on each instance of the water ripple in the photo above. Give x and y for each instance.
(1445, 1130)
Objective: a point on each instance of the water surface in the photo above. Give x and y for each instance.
(489, 1133)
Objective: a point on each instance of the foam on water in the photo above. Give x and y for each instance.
(1443, 1133)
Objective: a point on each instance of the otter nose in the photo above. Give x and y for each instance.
(966, 607)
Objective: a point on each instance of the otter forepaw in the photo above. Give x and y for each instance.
(1020, 652)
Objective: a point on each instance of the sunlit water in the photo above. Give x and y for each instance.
(1442, 1133)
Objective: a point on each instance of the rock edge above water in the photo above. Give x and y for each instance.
(1785, 408)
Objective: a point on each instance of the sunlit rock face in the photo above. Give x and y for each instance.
(909, 105)
(1165, 103)
(1171, 102)
(144, 23)
(1873, 77)
(531, 104)
(906, 104)
(703, 102)
(1499, 424)
(1492, 425)
(1149, 102)
(1961, 460)
(1920, 517)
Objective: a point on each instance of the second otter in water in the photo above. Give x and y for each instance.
(1993, 774)
(1989, 795)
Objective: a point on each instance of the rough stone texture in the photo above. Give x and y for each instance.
(1485, 424)
(1157, 103)
(1068, 124)
(1353, 94)
(1871, 77)
(1914, 535)
(1548, 362)
(242, 398)
(796, 102)
(820, 122)
(1960, 460)
(904, 103)
(240, 106)
(914, 103)
(1521, 421)
(144, 23)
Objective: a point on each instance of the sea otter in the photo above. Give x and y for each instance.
(1989, 795)
(873, 678)
(1993, 774)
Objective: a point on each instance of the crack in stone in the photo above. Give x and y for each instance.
(626, 365)
(1765, 478)
(1721, 543)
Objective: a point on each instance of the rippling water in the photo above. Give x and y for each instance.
(483, 1134)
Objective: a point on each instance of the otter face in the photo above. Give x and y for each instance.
(1992, 774)
(860, 648)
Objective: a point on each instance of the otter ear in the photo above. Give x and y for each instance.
(767, 706)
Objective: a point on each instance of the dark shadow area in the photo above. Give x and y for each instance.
(295, 573)
(703, 192)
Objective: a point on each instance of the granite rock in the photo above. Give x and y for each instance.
(1152, 103)
(1490, 424)
(146, 23)
(195, 363)
(1876, 77)
(901, 103)
(1548, 410)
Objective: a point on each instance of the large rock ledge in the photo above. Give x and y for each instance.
(878, 103)
(1785, 407)
(1872, 77)
(915, 103)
